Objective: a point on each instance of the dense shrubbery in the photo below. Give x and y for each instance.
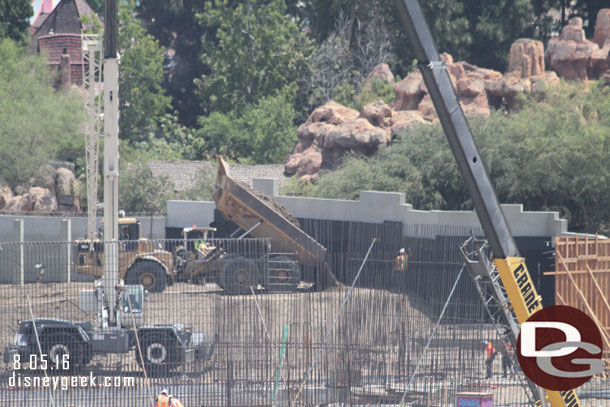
(38, 124)
(260, 133)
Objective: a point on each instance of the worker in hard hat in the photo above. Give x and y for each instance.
(401, 260)
(163, 399)
(491, 353)
(399, 279)
(174, 402)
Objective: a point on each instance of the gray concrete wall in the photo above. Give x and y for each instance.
(189, 213)
(36, 248)
(375, 207)
(49, 228)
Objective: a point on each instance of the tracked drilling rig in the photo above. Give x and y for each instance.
(119, 326)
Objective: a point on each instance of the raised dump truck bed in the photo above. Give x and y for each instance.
(241, 205)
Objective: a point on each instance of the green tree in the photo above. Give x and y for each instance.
(97, 6)
(445, 17)
(141, 96)
(174, 25)
(257, 50)
(140, 192)
(15, 19)
(479, 32)
(260, 133)
(55, 134)
(494, 26)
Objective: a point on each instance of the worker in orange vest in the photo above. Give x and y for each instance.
(491, 355)
(163, 399)
(174, 402)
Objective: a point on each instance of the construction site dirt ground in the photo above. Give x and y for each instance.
(379, 335)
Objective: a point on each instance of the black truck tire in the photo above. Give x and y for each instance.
(238, 275)
(284, 274)
(160, 354)
(56, 346)
(149, 274)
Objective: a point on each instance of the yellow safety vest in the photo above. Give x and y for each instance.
(401, 262)
(176, 403)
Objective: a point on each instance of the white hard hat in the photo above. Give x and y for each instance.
(170, 396)
(164, 391)
(401, 250)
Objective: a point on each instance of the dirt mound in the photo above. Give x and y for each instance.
(275, 206)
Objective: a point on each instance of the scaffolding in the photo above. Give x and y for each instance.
(92, 79)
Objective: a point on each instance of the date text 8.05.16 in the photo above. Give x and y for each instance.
(42, 362)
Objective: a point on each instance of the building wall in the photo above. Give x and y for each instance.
(54, 45)
(375, 207)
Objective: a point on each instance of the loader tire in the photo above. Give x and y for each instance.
(148, 274)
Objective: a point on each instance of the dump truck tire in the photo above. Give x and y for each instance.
(238, 275)
(149, 274)
(284, 275)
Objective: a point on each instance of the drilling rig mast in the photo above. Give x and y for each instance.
(111, 158)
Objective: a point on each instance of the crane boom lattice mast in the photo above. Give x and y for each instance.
(92, 79)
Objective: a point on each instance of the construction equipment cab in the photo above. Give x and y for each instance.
(197, 239)
(140, 262)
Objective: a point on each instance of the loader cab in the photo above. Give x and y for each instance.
(199, 233)
(195, 237)
(129, 233)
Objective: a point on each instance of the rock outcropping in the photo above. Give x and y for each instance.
(331, 131)
(54, 190)
(574, 57)
(334, 130)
